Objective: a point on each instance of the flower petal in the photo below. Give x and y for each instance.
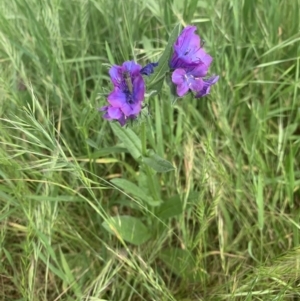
(148, 69)
(117, 98)
(195, 84)
(187, 39)
(182, 89)
(186, 81)
(122, 120)
(132, 67)
(192, 58)
(114, 113)
(198, 71)
(138, 88)
(178, 76)
(188, 51)
(204, 57)
(115, 73)
(131, 109)
(206, 86)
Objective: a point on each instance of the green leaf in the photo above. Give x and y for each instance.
(157, 163)
(106, 151)
(143, 182)
(60, 198)
(51, 267)
(134, 190)
(260, 202)
(69, 276)
(193, 198)
(170, 208)
(157, 78)
(131, 141)
(181, 263)
(127, 228)
(109, 54)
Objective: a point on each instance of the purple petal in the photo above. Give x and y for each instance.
(195, 84)
(131, 109)
(198, 71)
(138, 88)
(187, 39)
(115, 73)
(191, 58)
(207, 83)
(188, 51)
(148, 69)
(117, 98)
(174, 61)
(178, 76)
(132, 67)
(114, 113)
(182, 89)
(204, 57)
(186, 81)
(212, 80)
(122, 120)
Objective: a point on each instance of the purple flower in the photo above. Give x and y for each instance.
(186, 81)
(189, 78)
(190, 64)
(149, 69)
(188, 51)
(125, 101)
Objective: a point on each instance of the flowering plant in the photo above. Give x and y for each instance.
(189, 65)
(185, 65)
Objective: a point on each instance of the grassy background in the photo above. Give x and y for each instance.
(236, 153)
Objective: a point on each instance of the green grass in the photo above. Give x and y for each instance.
(236, 154)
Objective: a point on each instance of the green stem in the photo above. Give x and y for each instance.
(151, 182)
(148, 170)
(143, 138)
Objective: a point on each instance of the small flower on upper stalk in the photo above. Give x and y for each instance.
(190, 64)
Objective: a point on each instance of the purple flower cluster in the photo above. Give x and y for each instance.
(125, 101)
(190, 64)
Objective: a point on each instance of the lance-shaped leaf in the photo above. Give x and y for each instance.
(157, 163)
(157, 78)
(131, 141)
